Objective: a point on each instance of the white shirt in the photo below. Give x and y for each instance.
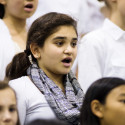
(101, 53)
(74, 8)
(93, 18)
(8, 48)
(85, 12)
(31, 102)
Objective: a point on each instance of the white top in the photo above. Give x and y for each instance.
(86, 12)
(31, 102)
(8, 48)
(93, 18)
(101, 53)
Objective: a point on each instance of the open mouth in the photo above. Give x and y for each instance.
(29, 6)
(67, 60)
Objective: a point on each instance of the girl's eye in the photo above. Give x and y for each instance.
(59, 43)
(73, 44)
(12, 109)
(123, 101)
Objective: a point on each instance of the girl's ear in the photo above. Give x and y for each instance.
(35, 50)
(2, 2)
(97, 108)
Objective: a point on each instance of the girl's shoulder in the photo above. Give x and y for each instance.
(3, 26)
(21, 80)
(4, 32)
(25, 86)
(21, 83)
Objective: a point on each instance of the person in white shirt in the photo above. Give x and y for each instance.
(102, 52)
(71, 7)
(13, 28)
(41, 76)
(87, 12)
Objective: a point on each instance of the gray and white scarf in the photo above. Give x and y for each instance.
(66, 106)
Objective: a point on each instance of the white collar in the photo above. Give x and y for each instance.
(112, 29)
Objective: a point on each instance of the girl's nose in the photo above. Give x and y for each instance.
(7, 116)
(68, 50)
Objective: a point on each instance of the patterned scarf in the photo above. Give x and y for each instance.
(66, 106)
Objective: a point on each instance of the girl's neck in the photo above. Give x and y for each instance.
(106, 11)
(57, 79)
(119, 20)
(15, 23)
(18, 30)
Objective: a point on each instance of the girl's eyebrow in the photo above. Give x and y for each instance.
(59, 37)
(75, 38)
(122, 94)
(13, 105)
(63, 38)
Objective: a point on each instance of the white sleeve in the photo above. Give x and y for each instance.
(21, 98)
(7, 50)
(90, 61)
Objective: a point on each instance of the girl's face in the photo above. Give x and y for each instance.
(20, 8)
(114, 108)
(8, 110)
(59, 51)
